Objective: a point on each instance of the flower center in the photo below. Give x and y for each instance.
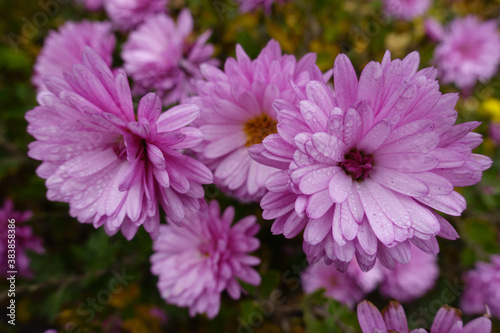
(258, 128)
(205, 250)
(357, 164)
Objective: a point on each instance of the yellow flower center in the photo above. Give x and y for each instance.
(258, 128)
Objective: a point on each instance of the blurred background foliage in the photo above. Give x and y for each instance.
(80, 262)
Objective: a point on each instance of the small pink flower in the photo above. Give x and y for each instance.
(160, 55)
(72, 37)
(469, 51)
(482, 288)
(197, 260)
(347, 287)
(361, 170)
(24, 240)
(128, 14)
(406, 9)
(92, 5)
(114, 166)
(236, 113)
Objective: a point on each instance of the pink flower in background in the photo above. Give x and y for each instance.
(434, 29)
(128, 14)
(236, 113)
(393, 319)
(347, 287)
(252, 5)
(405, 282)
(406, 9)
(468, 52)
(362, 169)
(112, 166)
(161, 55)
(63, 48)
(494, 132)
(24, 240)
(198, 260)
(92, 5)
(412, 280)
(482, 288)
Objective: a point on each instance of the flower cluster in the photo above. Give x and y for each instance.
(361, 169)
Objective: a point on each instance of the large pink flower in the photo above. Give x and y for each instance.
(393, 319)
(198, 260)
(19, 241)
(482, 288)
(72, 37)
(161, 55)
(469, 51)
(128, 14)
(112, 166)
(236, 113)
(363, 168)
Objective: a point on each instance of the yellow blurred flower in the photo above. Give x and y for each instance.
(491, 107)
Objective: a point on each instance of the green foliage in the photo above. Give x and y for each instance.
(326, 315)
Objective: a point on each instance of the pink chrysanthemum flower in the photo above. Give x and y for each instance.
(393, 319)
(348, 287)
(128, 14)
(112, 166)
(198, 260)
(72, 37)
(24, 241)
(494, 132)
(412, 280)
(252, 5)
(363, 168)
(469, 51)
(161, 55)
(406, 9)
(482, 288)
(236, 113)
